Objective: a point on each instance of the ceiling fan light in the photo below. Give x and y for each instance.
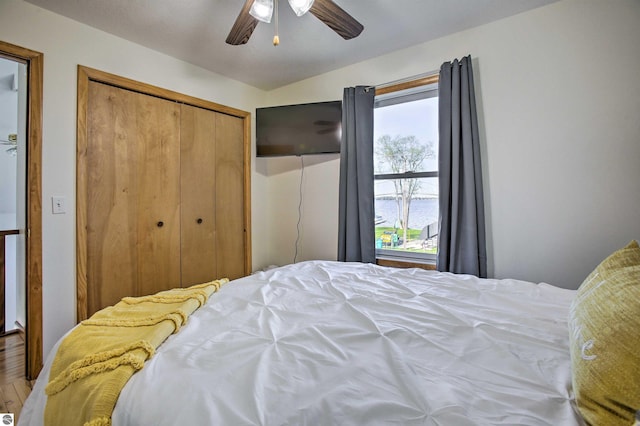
(262, 10)
(300, 7)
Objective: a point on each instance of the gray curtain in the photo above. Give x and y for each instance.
(461, 241)
(356, 232)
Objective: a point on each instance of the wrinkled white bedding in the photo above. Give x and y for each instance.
(323, 343)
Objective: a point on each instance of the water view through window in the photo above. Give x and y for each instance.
(406, 182)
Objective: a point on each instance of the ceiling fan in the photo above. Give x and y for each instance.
(11, 142)
(327, 11)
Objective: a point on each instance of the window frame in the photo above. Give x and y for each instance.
(430, 84)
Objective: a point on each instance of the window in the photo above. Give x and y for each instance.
(406, 170)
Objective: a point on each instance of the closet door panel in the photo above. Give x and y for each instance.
(158, 178)
(111, 196)
(198, 180)
(164, 178)
(229, 166)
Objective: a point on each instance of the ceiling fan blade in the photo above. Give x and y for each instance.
(243, 27)
(336, 18)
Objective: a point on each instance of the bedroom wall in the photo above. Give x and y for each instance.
(65, 44)
(559, 105)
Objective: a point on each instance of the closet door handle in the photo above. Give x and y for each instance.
(160, 224)
(199, 220)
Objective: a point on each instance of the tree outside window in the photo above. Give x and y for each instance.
(403, 155)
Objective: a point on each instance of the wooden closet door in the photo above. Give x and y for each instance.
(158, 210)
(133, 189)
(229, 167)
(111, 156)
(198, 187)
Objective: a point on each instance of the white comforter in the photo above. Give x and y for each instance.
(324, 343)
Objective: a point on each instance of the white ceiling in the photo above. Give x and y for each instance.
(195, 31)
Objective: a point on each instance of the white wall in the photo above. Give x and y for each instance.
(65, 44)
(8, 125)
(559, 104)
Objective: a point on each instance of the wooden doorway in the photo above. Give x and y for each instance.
(33, 228)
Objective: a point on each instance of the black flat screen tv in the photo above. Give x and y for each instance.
(302, 129)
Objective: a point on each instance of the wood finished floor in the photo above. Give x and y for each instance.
(14, 387)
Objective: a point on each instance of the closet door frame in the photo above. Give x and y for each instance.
(87, 75)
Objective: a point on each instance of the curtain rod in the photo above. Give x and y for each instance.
(425, 75)
(403, 80)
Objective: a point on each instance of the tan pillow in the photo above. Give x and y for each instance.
(604, 333)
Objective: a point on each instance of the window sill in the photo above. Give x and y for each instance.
(395, 263)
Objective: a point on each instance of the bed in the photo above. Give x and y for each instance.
(321, 342)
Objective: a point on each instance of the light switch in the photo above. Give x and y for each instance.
(58, 205)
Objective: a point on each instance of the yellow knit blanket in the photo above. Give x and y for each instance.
(97, 358)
